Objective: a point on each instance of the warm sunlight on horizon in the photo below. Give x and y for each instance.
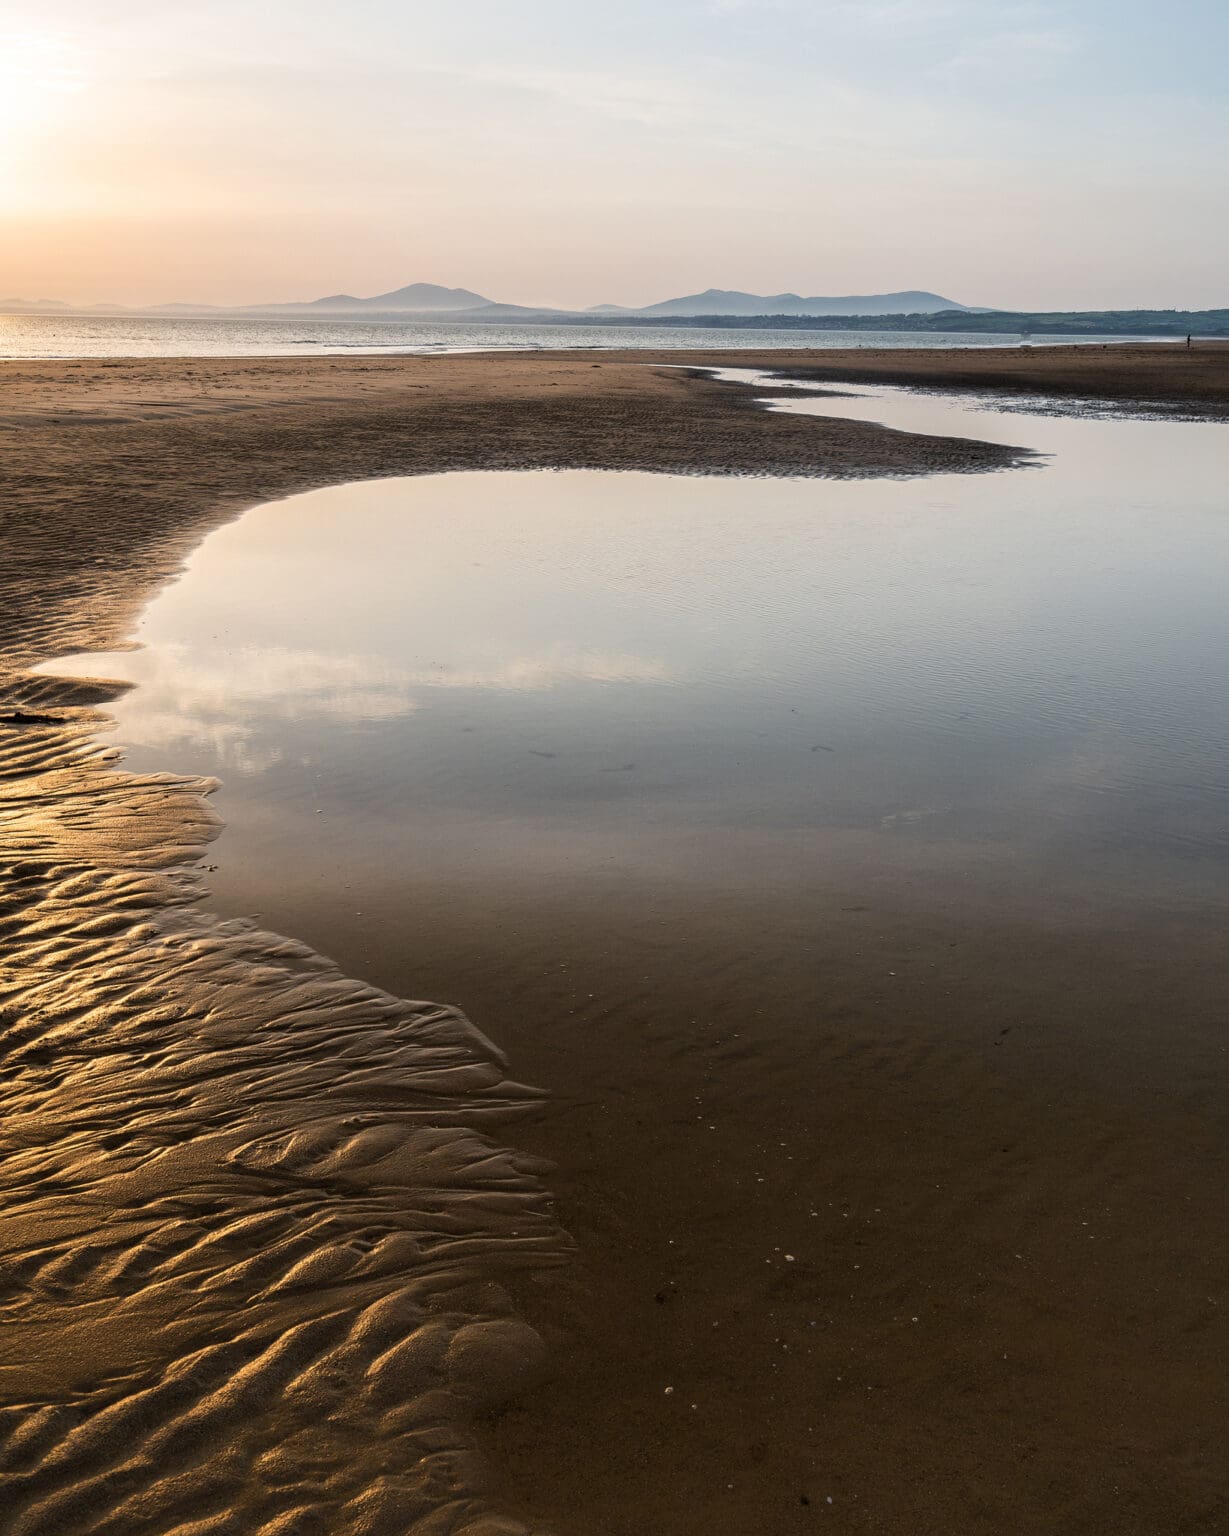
(1023, 155)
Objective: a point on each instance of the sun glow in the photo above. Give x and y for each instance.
(37, 77)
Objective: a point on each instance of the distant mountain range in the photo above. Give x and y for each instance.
(27, 306)
(432, 299)
(728, 301)
(910, 310)
(418, 298)
(414, 298)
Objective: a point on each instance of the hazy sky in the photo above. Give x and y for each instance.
(1023, 155)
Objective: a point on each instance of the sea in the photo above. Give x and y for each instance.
(85, 336)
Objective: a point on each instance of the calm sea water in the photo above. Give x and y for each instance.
(113, 336)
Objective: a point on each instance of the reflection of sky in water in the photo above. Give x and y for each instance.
(504, 676)
(226, 699)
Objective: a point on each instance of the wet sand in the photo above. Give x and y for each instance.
(1169, 378)
(263, 1265)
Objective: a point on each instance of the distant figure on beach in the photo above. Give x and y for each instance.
(1188, 341)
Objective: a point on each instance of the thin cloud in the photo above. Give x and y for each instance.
(1023, 53)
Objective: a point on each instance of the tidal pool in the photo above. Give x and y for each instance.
(480, 691)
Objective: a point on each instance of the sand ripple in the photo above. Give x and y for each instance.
(253, 1227)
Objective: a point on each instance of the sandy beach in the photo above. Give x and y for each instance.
(283, 1252)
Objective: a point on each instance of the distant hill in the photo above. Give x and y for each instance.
(727, 301)
(28, 306)
(414, 298)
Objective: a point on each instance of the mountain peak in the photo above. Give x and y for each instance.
(731, 301)
(414, 296)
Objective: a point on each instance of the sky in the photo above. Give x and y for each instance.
(1031, 155)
